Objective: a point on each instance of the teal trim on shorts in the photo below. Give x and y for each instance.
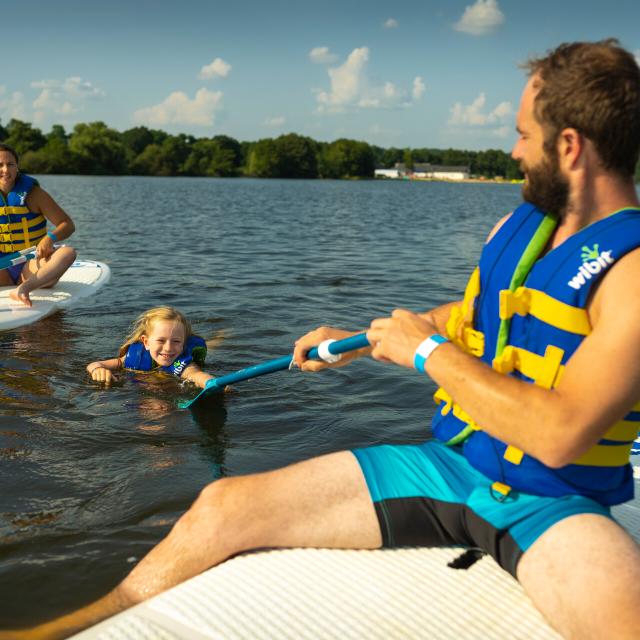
(437, 472)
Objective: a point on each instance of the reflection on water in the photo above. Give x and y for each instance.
(91, 477)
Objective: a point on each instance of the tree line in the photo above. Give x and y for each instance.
(96, 149)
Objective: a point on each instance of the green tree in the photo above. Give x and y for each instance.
(54, 157)
(163, 159)
(392, 156)
(210, 158)
(99, 149)
(346, 159)
(296, 156)
(23, 137)
(57, 133)
(288, 156)
(407, 159)
(262, 161)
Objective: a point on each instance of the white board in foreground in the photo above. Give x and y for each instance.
(82, 279)
(321, 593)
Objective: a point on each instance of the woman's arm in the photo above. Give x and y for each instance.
(39, 201)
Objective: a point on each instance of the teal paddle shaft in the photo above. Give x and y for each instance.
(216, 385)
(18, 257)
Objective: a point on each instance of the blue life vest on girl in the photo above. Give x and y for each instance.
(19, 227)
(139, 359)
(525, 316)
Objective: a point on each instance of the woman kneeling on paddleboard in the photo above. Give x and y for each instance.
(24, 211)
(161, 339)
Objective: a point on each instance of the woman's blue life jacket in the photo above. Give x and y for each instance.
(138, 358)
(525, 316)
(19, 227)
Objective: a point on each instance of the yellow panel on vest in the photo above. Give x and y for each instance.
(513, 455)
(13, 210)
(606, 456)
(556, 313)
(624, 431)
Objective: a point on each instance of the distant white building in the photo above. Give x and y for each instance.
(428, 171)
(386, 173)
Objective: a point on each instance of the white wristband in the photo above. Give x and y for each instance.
(425, 349)
(325, 354)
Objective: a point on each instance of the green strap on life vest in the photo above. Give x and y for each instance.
(536, 246)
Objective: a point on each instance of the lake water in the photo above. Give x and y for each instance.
(91, 478)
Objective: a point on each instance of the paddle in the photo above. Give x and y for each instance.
(218, 384)
(18, 257)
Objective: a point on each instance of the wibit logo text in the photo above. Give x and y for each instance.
(594, 261)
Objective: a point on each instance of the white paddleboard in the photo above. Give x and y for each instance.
(82, 279)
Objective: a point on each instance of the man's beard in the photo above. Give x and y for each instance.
(546, 187)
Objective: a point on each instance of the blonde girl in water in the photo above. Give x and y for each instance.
(161, 339)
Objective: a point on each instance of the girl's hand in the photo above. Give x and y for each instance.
(102, 374)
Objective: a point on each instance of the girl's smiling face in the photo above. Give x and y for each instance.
(165, 341)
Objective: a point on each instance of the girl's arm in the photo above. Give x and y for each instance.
(101, 370)
(195, 374)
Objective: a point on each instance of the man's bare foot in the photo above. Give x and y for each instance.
(21, 294)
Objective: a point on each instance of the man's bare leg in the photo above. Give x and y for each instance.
(322, 502)
(40, 273)
(583, 574)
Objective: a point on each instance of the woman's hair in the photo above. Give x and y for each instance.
(593, 87)
(11, 150)
(143, 325)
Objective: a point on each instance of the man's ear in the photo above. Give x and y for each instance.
(571, 146)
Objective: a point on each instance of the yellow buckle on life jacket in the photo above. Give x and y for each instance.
(544, 307)
(502, 489)
(544, 370)
(460, 322)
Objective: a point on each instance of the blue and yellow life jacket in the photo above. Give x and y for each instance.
(19, 227)
(525, 316)
(139, 359)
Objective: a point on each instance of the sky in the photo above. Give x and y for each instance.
(431, 73)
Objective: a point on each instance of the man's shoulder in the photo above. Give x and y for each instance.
(619, 292)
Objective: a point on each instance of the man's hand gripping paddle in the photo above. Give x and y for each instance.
(323, 351)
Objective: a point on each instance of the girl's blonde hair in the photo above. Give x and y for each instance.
(143, 325)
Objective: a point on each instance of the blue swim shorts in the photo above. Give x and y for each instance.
(15, 271)
(429, 495)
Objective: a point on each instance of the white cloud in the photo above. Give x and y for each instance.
(177, 108)
(217, 68)
(473, 115)
(636, 53)
(418, 88)
(322, 55)
(390, 23)
(350, 88)
(481, 18)
(275, 121)
(62, 97)
(73, 87)
(12, 105)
